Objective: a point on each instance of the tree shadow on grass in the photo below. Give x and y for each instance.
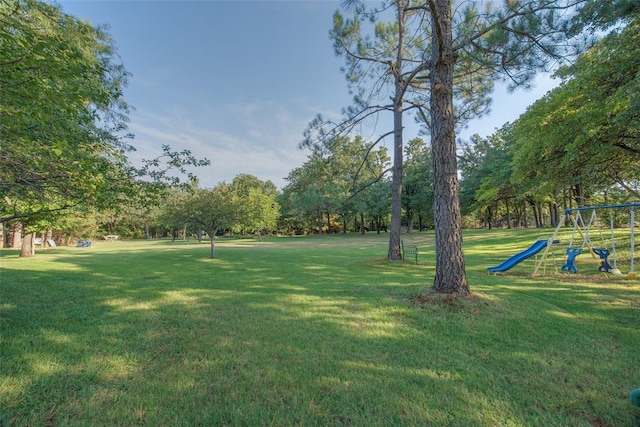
(322, 337)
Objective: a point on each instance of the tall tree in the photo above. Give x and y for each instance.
(386, 61)
(380, 64)
(63, 119)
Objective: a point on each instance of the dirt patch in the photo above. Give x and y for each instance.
(431, 299)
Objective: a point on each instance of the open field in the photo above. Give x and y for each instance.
(310, 331)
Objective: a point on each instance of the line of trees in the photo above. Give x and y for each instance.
(578, 145)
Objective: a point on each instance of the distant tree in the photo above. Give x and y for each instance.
(257, 203)
(310, 192)
(173, 212)
(377, 203)
(213, 209)
(418, 183)
(487, 169)
(335, 178)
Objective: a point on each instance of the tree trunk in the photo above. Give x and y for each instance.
(2, 236)
(48, 237)
(394, 252)
(212, 233)
(319, 221)
(27, 248)
(396, 179)
(450, 274)
(555, 216)
(16, 232)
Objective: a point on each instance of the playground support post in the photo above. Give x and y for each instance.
(549, 244)
(633, 243)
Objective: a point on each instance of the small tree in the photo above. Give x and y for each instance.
(213, 209)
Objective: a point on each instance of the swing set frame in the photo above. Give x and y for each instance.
(599, 255)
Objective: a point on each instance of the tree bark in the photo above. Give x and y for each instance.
(16, 232)
(394, 252)
(450, 277)
(409, 221)
(48, 236)
(212, 233)
(27, 249)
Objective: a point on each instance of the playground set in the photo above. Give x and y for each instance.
(610, 253)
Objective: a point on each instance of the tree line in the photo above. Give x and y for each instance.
(578, 145)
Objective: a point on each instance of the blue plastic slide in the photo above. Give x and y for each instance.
(519, 257)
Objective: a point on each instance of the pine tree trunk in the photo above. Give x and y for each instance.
(396, 179)
(450, 274)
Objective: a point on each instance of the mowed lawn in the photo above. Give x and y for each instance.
(310, 331)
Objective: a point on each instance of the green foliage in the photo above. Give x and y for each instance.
(63, 127)
(417, 184)
(339, 177)
(585, 131)
(213, 209)
(258, 205)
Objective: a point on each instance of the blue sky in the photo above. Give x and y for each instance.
(238, 81)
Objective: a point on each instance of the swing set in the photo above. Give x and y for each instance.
(583, 249)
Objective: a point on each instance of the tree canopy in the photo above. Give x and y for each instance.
(588, 129)
(63, 117)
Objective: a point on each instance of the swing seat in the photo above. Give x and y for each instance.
(618, 273)
(603, 253)
(570, 265)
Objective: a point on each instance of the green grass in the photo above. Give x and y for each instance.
(310, 331)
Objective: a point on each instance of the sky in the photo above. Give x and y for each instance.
(238, 81)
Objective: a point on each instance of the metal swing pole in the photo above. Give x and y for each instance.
(633, 243)
(613, 245)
